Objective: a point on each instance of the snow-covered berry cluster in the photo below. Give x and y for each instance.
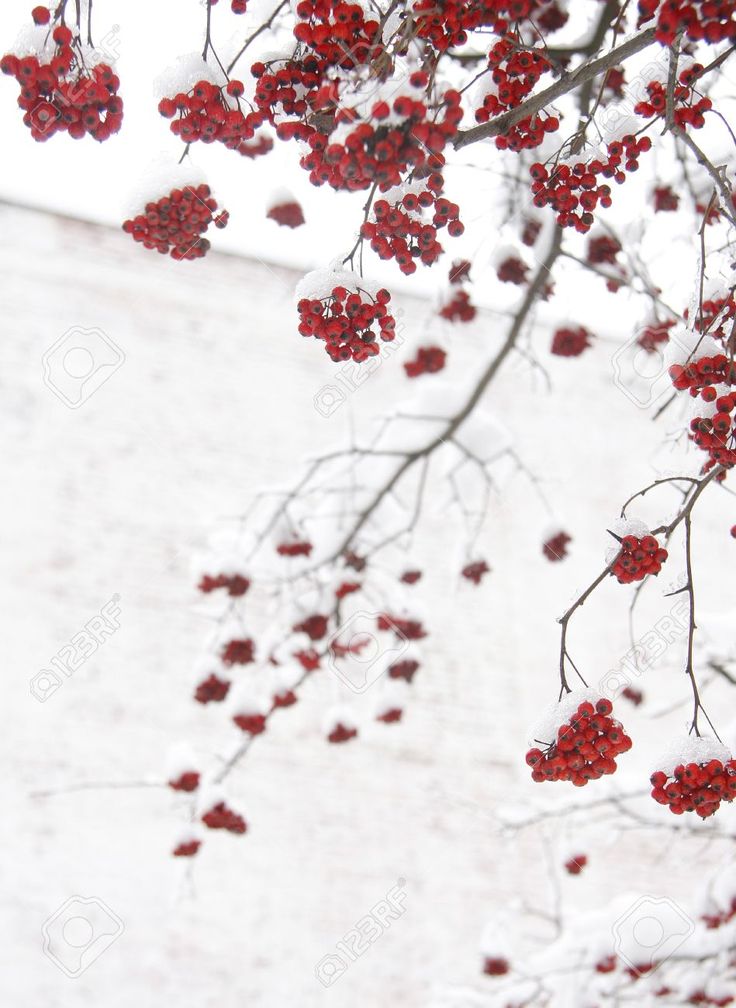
(346, 317)
(698, 781)
(637, 558)
(175, 223)
(221, 817)
(399, 227)
(286, 213)
(515, 70)
(459, 308)
(382, 144)
(570, 342)
(212, 113)
(59, 93)
(586, 745)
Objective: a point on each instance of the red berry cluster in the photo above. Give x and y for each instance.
(512, 270)
(187, 848)
(287, 214)
(530, 231)
(428, 360)
(634, 696)
(345, 322)
(212, 114)
(212, 689)
(574, 191)
(458, 308)
(405, 669)
(175, 223)
(411, 577)
(716, 434)
(655, 333)
(459, 271)
(568, 342)
(707, 20)
(290, 89)
(447, 24)
(252, 724)
(187, 781)
(495, 966)
(614, 81)
(222, 817)
(315, 627)
(409, 629)
(475, 571)
(585, 749)
(515, 70)
(574, 865)
(295, 547)
(687, 111)
(665, 199)
(696, 787)
(555, 548)
(239, 651)
(528, 133)
(235, 584)
(338, 32)
(62, 95)
(407, 134)
(399, 231)
(638, 558)
(720, 917)
(342, 733)
(603, 249)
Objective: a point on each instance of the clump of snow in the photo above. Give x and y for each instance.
(625, 527)
(284, 677)
(244, 699)
(495, 942)
(338, 714)
(35, 40)
(189, 833)
(691, 749)
(686, 344)
(394, 695)
(180, 759)
(162, 175)
(483, 435)
(279, 196)
(321, 282)
(188, 70)
(557, 714)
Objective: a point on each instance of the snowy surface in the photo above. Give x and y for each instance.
(215, 399)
